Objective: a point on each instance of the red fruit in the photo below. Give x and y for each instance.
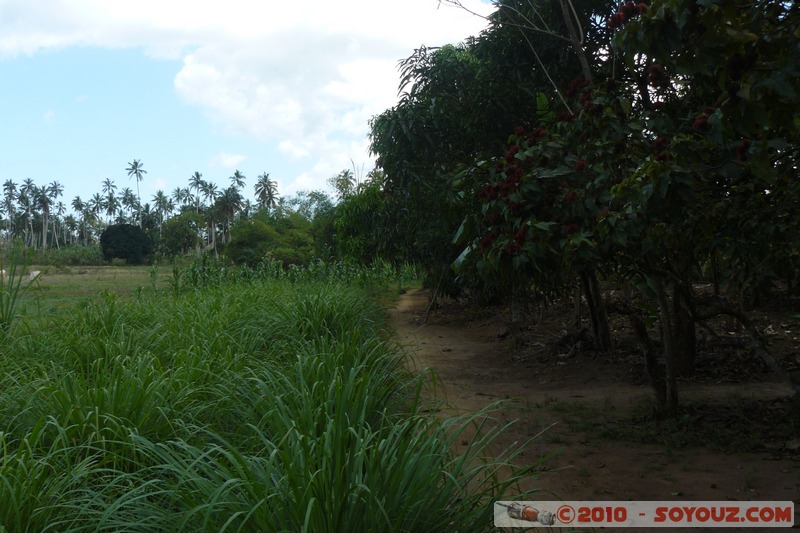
(571, 196)
(616, 21)
(519, 131)
(572, 228)
(741, 151)
(520, 235)
(700, 123)
(641, 7)
(602, 214)
(656, 75)
(629, 10)
(658, 105)
(580, 166)
(660, 143)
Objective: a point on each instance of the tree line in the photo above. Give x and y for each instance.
(580, 142)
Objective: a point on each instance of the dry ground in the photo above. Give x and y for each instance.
(591, 411)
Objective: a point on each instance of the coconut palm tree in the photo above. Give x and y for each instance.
(209, 191)
(108, 186)
(53, 193)
(26, 203)
(79, 206)
(163, 205)
(196, 181)
(237, 180)
(266, 191)
(112, 206)
(228, 204)
(135, 170)
(128, 201)
(10, 197)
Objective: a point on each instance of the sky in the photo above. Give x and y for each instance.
(209, 86)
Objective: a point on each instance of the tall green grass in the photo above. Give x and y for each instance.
(270, 405)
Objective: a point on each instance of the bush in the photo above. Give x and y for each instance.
(125, 241)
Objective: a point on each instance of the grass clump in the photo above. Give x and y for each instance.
(270, 405)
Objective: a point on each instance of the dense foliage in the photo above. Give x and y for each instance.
(656, 144)
(127, 242)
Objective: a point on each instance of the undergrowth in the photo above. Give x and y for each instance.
(265, 405)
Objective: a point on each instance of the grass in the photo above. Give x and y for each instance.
(234, 405)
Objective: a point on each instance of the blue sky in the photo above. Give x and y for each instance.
(185, 86)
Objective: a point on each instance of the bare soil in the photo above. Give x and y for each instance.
(587, 417)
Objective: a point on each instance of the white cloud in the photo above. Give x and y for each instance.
(304, 77)
(226, 160)
(48, 116)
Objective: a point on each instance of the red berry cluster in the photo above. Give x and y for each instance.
(515, 245)
(657, 76)
(659, 147)
(487, 241)
(626, 12)
(700, 123)
(742, 150)
(576, 86)
(582, 87)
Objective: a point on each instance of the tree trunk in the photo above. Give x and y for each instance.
(654, 371)
(577, 43)
(669, 344)
(685, 343)
(597, 311)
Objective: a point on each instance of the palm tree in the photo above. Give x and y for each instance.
(344, 183)
(57, 221)
(163, 205)
(135, 171)
(266, 192)
(196, 181)
(25, 198)
(237, 180)
(128, 201)
(71, 225)
(111, 205)
(96, 205)
(79, 206)
(10, 192)
(52, 192)
(229, 203)
(209, 191)
(108, 186)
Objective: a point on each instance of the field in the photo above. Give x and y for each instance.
(218, 402)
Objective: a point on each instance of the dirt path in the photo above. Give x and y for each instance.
(476, 368)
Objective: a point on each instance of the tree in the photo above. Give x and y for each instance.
(344, 183)
(10, 196)
(196, 181)
(181, 233)
(125, 241)
(266, 192)
(135, 170)
(650, 180)
(163, 206)
(237, 180)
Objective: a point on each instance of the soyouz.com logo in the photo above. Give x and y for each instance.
(643, 514)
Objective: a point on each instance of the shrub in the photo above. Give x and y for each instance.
(125, 241)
